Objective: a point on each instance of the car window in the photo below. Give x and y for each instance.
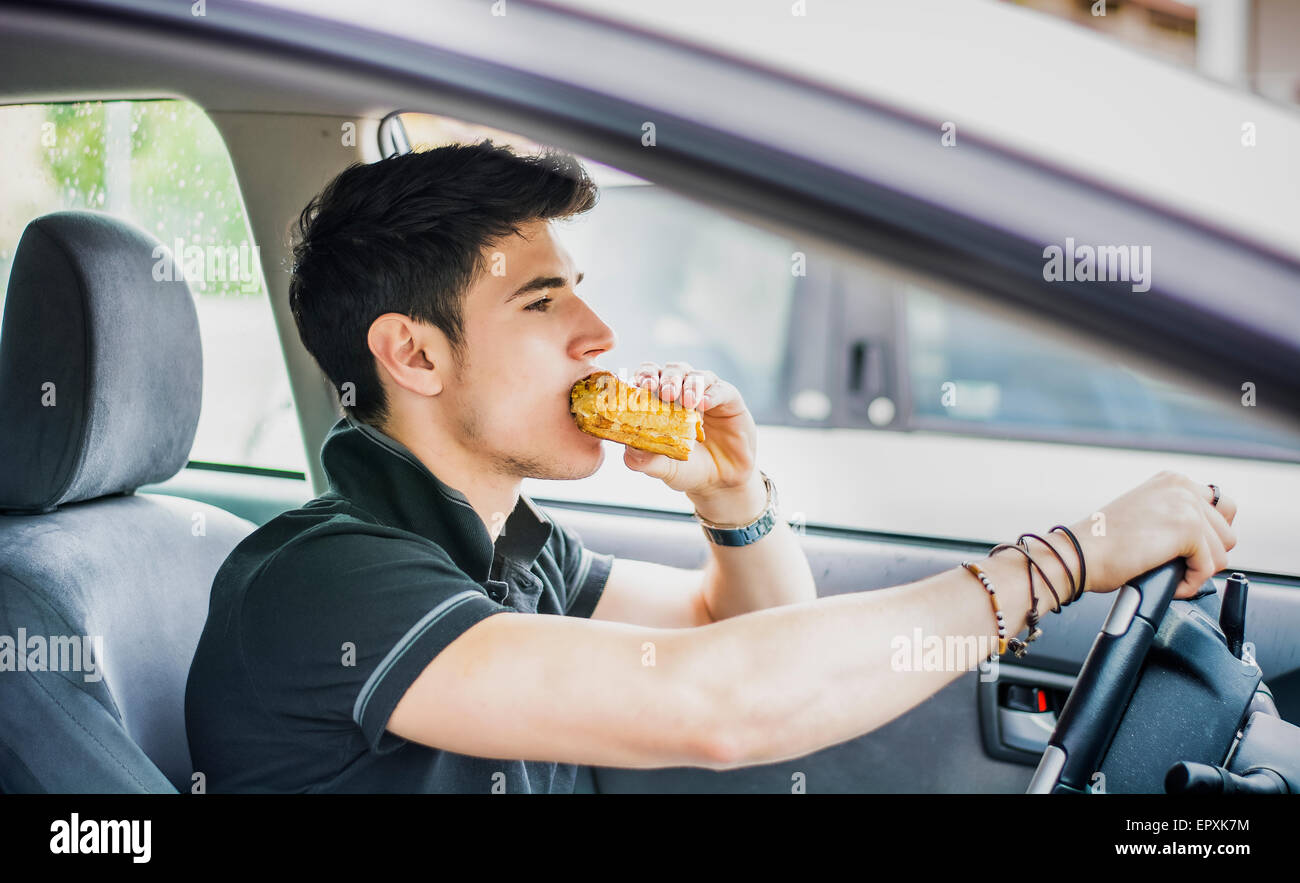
(974, 372)
(163, 166)
(889, 400)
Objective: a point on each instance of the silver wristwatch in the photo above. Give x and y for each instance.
(744, 534)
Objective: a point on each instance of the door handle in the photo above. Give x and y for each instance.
(1018, 711)
(866, 378)
(1026, 730)
(869, 387)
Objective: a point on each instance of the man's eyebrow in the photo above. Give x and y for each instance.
(542, 282)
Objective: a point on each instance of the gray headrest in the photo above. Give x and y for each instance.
(101, 370)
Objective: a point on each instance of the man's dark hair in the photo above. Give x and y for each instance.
(406, 235)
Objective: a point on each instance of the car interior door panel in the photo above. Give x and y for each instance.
(1006, 721)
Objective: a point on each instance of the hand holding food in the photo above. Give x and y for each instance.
(661, 414)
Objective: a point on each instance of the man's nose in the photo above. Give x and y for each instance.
(597, 337)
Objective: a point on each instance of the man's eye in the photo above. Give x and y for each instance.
(540, 306)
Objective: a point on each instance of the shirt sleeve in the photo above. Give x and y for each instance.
(337, 627)
(585, 572)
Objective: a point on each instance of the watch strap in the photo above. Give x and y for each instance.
(743, 535)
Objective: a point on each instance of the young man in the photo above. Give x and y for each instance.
(383, 636)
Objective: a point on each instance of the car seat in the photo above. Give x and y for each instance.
(101, 380)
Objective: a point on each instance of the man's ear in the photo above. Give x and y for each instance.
(413, 354)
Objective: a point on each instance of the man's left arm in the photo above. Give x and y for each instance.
(769, 572)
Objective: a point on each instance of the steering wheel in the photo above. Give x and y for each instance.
(1106, 683)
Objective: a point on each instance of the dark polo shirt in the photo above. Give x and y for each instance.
(321, 619)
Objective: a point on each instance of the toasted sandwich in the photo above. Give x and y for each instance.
(606, 407)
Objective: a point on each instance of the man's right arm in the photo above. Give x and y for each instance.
(755, 688)
(774, 684)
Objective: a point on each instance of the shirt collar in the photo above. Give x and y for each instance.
(382, 476)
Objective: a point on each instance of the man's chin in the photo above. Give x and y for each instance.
(582, 464)
(588, 465)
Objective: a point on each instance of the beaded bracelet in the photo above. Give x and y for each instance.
(1077, 589)
(1034, 631)
(1017, 645)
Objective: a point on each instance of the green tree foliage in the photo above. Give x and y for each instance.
(161, 164)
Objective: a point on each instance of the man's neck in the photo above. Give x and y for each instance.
(492, 495)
